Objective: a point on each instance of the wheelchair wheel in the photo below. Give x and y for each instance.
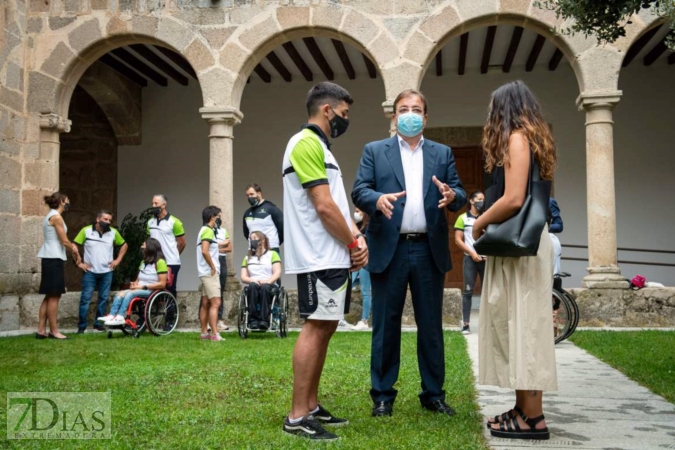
(161, 313)
(575, 313)
(282, 332)
(138, 317)
(242, 316)
(563, 319)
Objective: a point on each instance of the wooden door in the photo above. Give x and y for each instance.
(469, 163)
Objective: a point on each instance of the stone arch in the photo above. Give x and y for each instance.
(52, 84)
(249, 45)
(453, 19)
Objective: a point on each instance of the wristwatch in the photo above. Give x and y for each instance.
(145, 287)
(360, 235)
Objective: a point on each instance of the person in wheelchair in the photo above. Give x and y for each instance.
(152, 275)
(260, 270)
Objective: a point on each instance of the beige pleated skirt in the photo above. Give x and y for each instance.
(515, 340)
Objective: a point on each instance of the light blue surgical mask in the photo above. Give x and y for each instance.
(409, 124)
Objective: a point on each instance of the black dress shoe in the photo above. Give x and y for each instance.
(381, 409)
(40, 336)
(439, 406)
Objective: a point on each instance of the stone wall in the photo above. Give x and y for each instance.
(20, 178)
(88, 170)
(21, 312)
(648, 307)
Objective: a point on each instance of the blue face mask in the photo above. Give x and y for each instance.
(409, 124)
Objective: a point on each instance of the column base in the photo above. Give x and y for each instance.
(605, 277)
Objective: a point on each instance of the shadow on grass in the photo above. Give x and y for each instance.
(178, 392)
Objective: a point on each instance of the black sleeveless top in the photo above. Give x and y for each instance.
(496, 191)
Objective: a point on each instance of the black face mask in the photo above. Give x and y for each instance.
(155, 211)
(105, 226)
(338, 125)
(479, 206)
(66, 206)
(253, 201)
(254, 245)
(219, 222)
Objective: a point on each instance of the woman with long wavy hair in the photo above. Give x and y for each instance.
(516, 346)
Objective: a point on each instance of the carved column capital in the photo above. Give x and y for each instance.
(54, 122)
(590, 100)
(222, 120)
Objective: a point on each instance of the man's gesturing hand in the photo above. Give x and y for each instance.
(445, 190)
(384, 203)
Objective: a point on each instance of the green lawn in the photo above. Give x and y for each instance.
(647, 357)
(177, 392)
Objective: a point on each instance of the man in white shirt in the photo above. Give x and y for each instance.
(322, 245)
(169, 231)
(405, 184)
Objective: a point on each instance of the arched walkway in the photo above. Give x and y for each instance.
(248, 46)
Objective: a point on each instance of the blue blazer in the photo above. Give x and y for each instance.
(381, 172)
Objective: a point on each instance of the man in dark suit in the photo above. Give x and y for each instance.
(405, 183)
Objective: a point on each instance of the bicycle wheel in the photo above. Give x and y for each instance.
(574, 307)
(562, 319)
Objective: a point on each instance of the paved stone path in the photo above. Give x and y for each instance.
(596, 407)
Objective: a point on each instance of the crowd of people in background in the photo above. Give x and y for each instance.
(396, 241)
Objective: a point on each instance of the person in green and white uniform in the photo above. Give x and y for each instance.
(169, 231)
(261, 269)
(152, 275)
(208, 268)
(224, 247)
(474, 264)
(99, 241)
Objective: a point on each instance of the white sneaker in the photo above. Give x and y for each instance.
(105, 318)
(344, 324)
(116, 321)
(362, 325)
(221, 326)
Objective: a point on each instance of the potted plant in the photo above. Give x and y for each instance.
(134, 231)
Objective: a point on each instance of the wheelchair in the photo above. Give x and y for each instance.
(158, 313)
(565, 310)
(278, 319)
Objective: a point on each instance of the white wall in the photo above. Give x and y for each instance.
(173, 158)
(644, 142)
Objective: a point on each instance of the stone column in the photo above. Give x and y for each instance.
(603, 270)
(388, 107)
(221, 187)
(51, 126)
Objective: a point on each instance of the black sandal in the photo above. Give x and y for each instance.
(505, 416)
(511, 429)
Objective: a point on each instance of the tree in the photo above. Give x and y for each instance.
(607, 19)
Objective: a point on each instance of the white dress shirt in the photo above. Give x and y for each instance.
(414, 220)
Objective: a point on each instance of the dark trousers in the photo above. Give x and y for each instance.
(172, 288)
(174, 269)
(259, 301)
(471, 270)
(223, 282)
(412, 266)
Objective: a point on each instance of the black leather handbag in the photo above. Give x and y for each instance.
(519, 235)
